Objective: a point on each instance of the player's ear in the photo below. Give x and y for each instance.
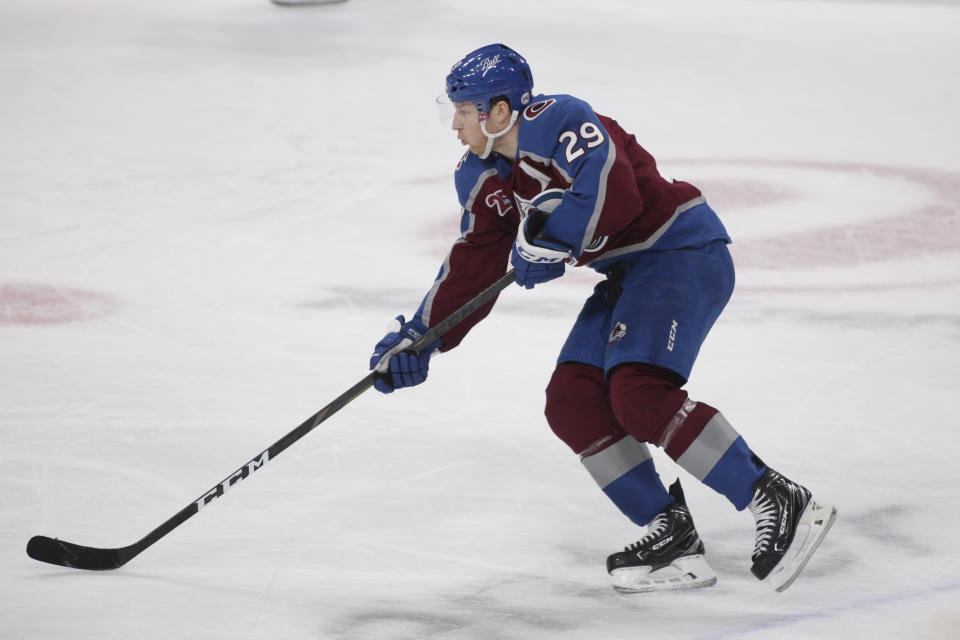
(501, 110)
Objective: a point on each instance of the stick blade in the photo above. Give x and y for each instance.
(75, 556)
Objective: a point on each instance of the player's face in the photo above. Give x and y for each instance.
(466, 122)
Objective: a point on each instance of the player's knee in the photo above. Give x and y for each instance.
(644, 399)
(578, 406)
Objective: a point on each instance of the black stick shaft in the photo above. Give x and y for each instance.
(68, 554)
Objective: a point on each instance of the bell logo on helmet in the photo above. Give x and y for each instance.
(491, 72)
(489, 63)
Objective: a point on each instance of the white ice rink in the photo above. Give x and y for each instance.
(209, 210)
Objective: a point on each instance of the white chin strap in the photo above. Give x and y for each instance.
(493, 136)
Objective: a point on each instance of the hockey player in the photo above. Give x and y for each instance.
(547, 183)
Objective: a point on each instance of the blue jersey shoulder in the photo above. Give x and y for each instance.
(544, 120)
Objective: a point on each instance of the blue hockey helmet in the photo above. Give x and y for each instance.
(490, 72)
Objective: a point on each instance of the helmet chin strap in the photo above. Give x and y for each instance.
(493, 136)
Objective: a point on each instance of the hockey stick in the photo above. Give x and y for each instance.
(68, 554)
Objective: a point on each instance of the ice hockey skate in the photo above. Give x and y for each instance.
(790, 527)
(669, 556)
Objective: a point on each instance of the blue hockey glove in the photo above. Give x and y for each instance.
(400, 368)
(529, 274)
(537, 260)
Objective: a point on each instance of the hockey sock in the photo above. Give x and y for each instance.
(624, 471)
(701, 441)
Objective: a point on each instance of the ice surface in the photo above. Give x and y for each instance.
(210, 210)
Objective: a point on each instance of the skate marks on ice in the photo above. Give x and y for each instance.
(495, 606)
(24, 303)
(518, 607)
(930, 628)
(579, 600)
(386, 300)
(890, 527)
(363, 299)
(570, 598)
(849, 554)
(849, 549)
(845, 319)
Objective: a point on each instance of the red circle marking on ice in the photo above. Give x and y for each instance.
(929, 228)
(22, 303)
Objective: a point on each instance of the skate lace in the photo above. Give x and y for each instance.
(654, 530)
(764, 511)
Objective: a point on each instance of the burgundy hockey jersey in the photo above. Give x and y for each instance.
(604, 194)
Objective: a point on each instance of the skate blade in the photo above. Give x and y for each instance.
(688, 572)
(816, 520)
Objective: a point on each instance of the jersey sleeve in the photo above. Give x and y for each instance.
(477, 259)
(603, 196)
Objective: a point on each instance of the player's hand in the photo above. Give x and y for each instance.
(536, 260)
(400, 368)
(529, 274)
